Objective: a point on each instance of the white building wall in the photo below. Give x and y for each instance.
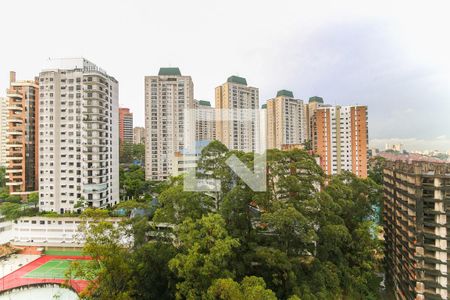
(114, 161)
(44, 231)
(78, 137)
(59, 231)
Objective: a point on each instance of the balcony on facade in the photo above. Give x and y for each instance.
(14, 94)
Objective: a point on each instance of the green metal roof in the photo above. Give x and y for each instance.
(237, 79)
(264, 106)
(204, 103)
(285, 93)
(316, 99)
(169, 72)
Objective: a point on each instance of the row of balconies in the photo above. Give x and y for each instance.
(96, 158)
(94, 150)
(13, 93)
(95, 104)
(91, 88)
(95, 119)
(95, 96)
(97, 188)
(97, 126)
(93, 173)
(95, 79)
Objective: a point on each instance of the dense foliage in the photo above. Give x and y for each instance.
(308, 237)
(129, 153)
(12, 206)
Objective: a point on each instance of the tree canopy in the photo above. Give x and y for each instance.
(309, 236)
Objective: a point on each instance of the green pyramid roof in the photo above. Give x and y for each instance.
(285, 93)
(204, 103)
(316, 99)
(169, 72)
(237, 79)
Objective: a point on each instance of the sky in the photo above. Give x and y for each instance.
(393, 56)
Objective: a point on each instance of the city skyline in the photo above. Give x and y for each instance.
(345, 56)
(225, 150)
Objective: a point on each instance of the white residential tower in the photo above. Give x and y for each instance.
(78, 136)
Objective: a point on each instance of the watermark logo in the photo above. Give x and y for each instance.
(242, 129)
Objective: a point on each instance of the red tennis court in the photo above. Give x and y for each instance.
(17, 278)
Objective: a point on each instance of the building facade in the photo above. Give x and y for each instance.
(286, 121)
(415, 211)
(167, 95)
(310, 108)
(22, 140)
(125, 125)
(3, 130)
(340, 138)
(236, 108)
(139, 135)
(79, 136)
(205, 126)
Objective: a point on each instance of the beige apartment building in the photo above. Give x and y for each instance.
(139, 135)
(310, 107)
(3, 130)
(205, 127)
(167, 95)
(340, 138)
(22, 136)
(286, 121)
(236, 106)
(416, 229)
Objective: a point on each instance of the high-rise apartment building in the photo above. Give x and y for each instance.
(78, 136)
(3, 130)
(310, 107)
(167, 95)
(416, 230)
(125, 125)
(205, 127)
(286, 121)
(22, 139)
(340, 138)
(139, 135)
(236, 105)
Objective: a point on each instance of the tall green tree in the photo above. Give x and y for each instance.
(204, 253)
(2, 177)
(376, 166)
(293, 176)
(151, 277)
(109, 272)
(251, 288)
(33, 198)
(292, 232)
(177, 205)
